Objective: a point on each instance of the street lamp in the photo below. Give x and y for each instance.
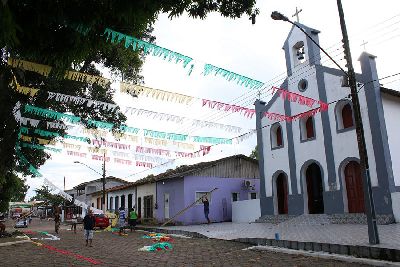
(103, 180)
(362, 148)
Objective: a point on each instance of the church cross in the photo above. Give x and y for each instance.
(297, 14)
(364, 43)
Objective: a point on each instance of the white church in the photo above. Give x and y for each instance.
(311, 165)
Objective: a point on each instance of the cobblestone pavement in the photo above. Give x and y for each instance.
(346, 234)
(114, 250)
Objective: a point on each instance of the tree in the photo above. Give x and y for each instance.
(12, 188)
(254, 153)
(68, 35)
(44, 194)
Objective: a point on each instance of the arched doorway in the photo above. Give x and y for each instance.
(282, 193)
(314, 189)
(354, 187)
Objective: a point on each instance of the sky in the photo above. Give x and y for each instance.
(236, 45)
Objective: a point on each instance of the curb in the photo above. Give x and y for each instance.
(326, 256)
(366, 252)
(376, 253)
(14, 242)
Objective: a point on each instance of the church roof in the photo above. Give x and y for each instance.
(390, 92)
(304, 27)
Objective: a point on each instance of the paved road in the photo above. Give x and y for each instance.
(113, 250)
(346, 234)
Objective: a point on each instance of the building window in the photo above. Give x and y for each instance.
(111, 203)
(199, 195)
(116, 203)
(148, 206)
(276, 136)
(307, 129)
(344, 116)
(235, 197)
(123, 201)
(252, 195)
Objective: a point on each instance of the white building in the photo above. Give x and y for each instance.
(83, 192)
(122, 196)
(312, 165)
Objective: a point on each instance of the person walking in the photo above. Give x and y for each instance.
(206, 208)
(57, 221)
(132, 219)
(121, 220)
(88, 226)
(74, 221)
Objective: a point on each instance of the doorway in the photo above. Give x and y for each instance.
(166, 205)
(139, 207)
(282, 193)
(314, 189)
(129, 202)
(354, 187)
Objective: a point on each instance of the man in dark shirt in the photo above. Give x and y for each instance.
(88, 225)
(206, 208)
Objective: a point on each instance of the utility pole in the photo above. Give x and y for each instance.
(103, 202)
(362, 148)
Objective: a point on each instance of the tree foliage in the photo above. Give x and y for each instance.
(68, 35)
(254, 153)
(44, 194)
(12, 188)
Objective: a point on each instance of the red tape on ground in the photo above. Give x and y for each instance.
(66, 252)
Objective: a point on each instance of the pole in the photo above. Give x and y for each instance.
(185, 209)
(368, 198)
(104, 183)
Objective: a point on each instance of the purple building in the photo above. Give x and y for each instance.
(236, 177)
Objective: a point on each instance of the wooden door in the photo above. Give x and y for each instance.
(354, 188)
(282, 194)
(315, 189)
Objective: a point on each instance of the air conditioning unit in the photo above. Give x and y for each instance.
(247, 184)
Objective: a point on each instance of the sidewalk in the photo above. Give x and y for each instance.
(346, 239)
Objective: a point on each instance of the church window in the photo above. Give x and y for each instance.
(298, 53)
(276, 136)
(344, 115)
(307, 129)
(347, 115)
(303, 84)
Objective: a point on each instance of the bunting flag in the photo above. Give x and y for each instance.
(146, 47)
(231, 76)
(23, 89)
(247, 112)
(97, 150)
(40, 140)
(166, 54)
(155, 93)
(50, 114)
(241, 138)
(128, 137)
(164, 135)
(122, 161)
(156, 151)
(144, 164)
(105, 143)
(300, 99)
(33, 146)
(24, 161)
(25, 130)
(181, 145)
(95, 132)
(80, 101)
(76, 154)
(212, 140)
(71, 146)
(276, 117)
(128, 129)
(45, 71)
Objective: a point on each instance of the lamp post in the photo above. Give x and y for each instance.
(350, 75)
(103, 179)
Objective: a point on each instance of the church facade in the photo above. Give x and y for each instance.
(311, 165)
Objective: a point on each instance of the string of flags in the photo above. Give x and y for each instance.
(166, 54)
